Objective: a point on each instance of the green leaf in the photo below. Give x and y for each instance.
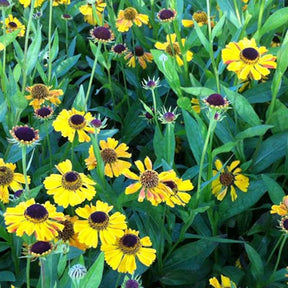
(94, 275)
(79, 101)
(275, 191)
(9, 37)
(279, 118)
(169, 144)
(257, 266)
(198, 91)
(158, 144)
(227, 147)
(55, 46)
(33, 51)
(202, 37)
(229, 11)
(7, 276)
(4, 246)
(242, 107)
(66, 65)
(184, 103)
(274, 21)
(61, 265)
(218, 28)
(253, 131)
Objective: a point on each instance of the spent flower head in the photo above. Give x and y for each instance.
(77, 272)
(168, 116)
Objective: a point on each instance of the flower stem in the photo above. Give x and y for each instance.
(42, 273)
(49, 146)
(92, 73)
(280, 253)
(24, 67)
(24, 167)
(28, 273)
(274, 249)
(4, 53)
(97, 153)
(66, 37)
(260, 15)
(49, 41)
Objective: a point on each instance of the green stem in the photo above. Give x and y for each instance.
(210, 129)
(42, 273)
(162, 244)
(24, 69)
(97, 153)
(170, 136)
(274, 249)
(66, 37)
(4, 54)
(260, 15)
(155, 108)
(125, 85)
(49, 146)
(24, 167)
(28, 273)
(72, 149)
(92, 73)
(237, 12)
(280, 253)
(118, 280)
(49, 41)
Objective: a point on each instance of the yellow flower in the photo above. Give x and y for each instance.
(225, 282)
(68, 122)
(127, 17)
(39, 93)
(196, 105)
(139, 55)
(29, 217)
(110, 155)
(172, 48)
(121, 254)
(9, 179)
(27, 3)
(282, 208)
(247, 60)
(149, 182)
(69, 188)
(227, 179)
(57, 2)
(178, 195)
(2, 46)
(87, 11)
(99, 224)
(200, 17)
(12, 24)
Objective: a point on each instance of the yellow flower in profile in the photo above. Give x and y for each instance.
(178, 191)
(29, 217)
(200, 17)
(39, 93)
(99, 224)
(247, 60)
(282, 208)
(172, 48)
(87, 11)
(225, 282)
(70, 122)
(227, 179)
(140, 55)
(122, 253)
(58, 2)
(27, 3)
(127, 17)
(111, 153)
(9, 179)
(12, 24)
(196, 105)
(149, 182)
(69, 188)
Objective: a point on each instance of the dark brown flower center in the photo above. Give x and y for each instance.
(129, 244)
(12, 25)
(41, 247)
(249, 55)
(200, 17)
(119, 48)
(166, 14)
(215, 100)
(285, 223)
(172, 185)
(25, 133)
(6, 175)
(44, 112)
(130, 13)
(77, 121)
(71, 181)
(139, 51)
(98, 220)
(109, 155)
(18, 193)
(226, 179)
(101, 33)
(36, 213)
(39, 91)
(68, 232)
(173, 50)
(149, 179)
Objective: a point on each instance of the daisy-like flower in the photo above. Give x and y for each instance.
(200, 17)
(172, 48)
(282, 208)
(87, 11)
(247, 60)
(121, 255)
(168, 116)
(29, 217)
(119, 49)
(196, 105)
(68, 235)
(127, 17)
(12, 24)
(149, 182)
(27, 3)
(225, 282)
(229, 178)
(166, 15)
(71, 187)
(39, 93)
(140, 55)
(151, 84)
(24, 136)
(99, 224)
(216, 101)
(111, 153)
(101, 34)
(9, 179)
(68, 122)
(44, 113)
(178, 191)
(40, 249)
